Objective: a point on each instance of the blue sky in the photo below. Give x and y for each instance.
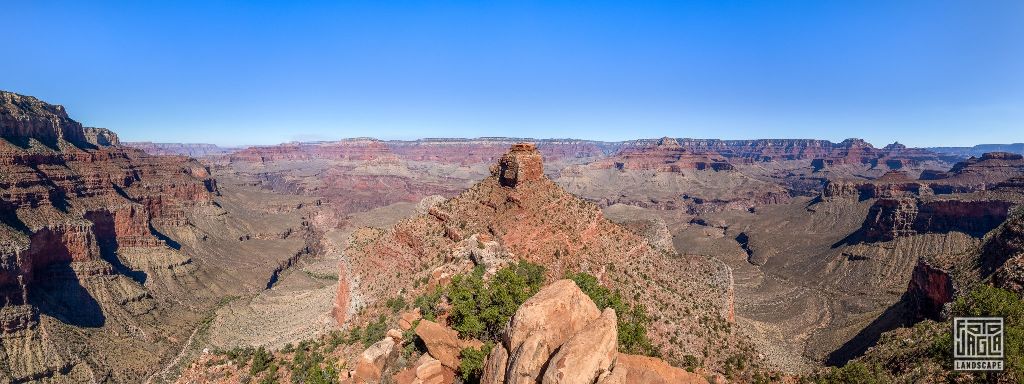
(924, 73)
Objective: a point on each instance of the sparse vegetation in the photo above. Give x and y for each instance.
(261, 360)
(924, 352)
(633, 321)
(321, 276)
(396, 304)
(853, 373)
(480, 309)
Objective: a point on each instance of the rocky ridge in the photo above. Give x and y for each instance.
(533, 219)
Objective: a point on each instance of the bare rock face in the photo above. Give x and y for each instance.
(521, 164)
(587, 355)
(443, 343)
(1002, 254)
(372, 361)
(28, 117)
(75, 209)
(892, 218)
(181, 149)
(495, 367)
(667, 155)
(634, 369)
(100, 137)
(541, 325)
(426, 370)
(929, 290)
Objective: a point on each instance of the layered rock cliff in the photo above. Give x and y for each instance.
(26, 117)
(71, 200)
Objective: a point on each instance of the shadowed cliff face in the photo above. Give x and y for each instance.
(72, 203)
(892, 218)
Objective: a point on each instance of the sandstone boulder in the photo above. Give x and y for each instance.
(587, 355)
(633, 369)
(395, 334)
(443, 343)
(494, 368)
(541, 325)
(406, 319)
(426, 370)
(370, 364)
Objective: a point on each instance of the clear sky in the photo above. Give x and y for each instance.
(925, 73)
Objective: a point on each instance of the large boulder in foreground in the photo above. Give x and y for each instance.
(542, 324)
(587, 355)
(559, 336)
(494, 368)
(633, 369)
(443, 343)
(426, 370)
(371, 363)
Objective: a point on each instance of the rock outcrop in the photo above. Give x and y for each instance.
(521, 164)
(426, 370)
(635, 369)
(587, 355)
(443, 343)
(101, 137)
(26, 117)
(542, 325)
(371, 363)
(559, 336)
(930, 289)
(518, 212)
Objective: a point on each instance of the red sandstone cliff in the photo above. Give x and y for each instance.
(75, 194)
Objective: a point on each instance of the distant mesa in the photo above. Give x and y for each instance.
(182, 149)
(895, 146)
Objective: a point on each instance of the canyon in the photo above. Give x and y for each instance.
(128, 260)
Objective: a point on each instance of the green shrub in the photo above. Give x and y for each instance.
(260, 361)
(396, 304)
(271, 376)
(309, 367)
(427, 303)
(480, 309)
(986, 301)
(690, 362)
(375, 331)
(471, 363)
(854, 372)
(633, 321)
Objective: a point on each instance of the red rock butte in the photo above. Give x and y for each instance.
(522, 163)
